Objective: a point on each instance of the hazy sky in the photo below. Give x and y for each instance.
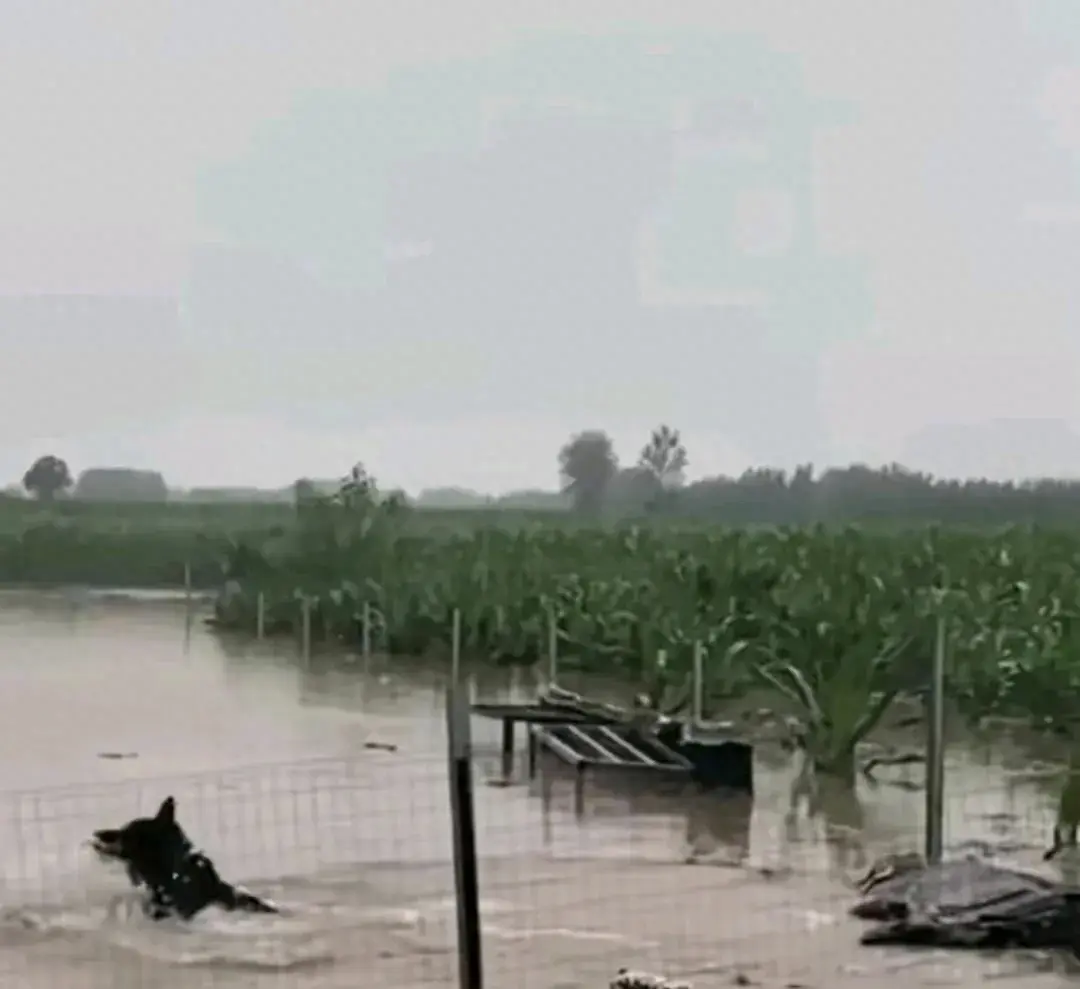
(138, 134)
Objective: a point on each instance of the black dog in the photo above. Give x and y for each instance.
(179, 879)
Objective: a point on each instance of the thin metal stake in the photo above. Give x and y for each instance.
(661, 665)
(305, 630)
(935, 752)
(699, 686)
(260, 616)
(455, 650)
(553, 650)
(189, 621)
(365, 633)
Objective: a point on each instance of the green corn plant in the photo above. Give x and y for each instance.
(820, 616)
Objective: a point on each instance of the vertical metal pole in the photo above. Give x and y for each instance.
(365, 632)
(699, 686)
(662, 665)
(455, 660)
(189, 612)
(935, 752)
(189, 621)
(466, 881)
(305, 630)
(507, 751)
(553, 649)
(260, 616)
(455, 650)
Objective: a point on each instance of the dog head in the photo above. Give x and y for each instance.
(150, 847)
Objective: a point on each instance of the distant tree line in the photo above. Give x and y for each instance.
(594, 484)
(655, 486)
(49, 478)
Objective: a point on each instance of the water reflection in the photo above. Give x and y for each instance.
(718, 826)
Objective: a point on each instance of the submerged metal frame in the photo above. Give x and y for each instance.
(935, 752)
(606, 748)
(528, 714)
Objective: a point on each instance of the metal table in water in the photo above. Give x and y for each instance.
(611, 747)
(533, 714)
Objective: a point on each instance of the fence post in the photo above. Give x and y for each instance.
(462, 812)
(189, 608)
(935, 752)
(553, 649)
(305, 630)
(698, 715)
(365, 633)
(189, 621)
(455, 649)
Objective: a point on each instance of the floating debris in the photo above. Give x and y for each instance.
(966, 903)
(626, 979)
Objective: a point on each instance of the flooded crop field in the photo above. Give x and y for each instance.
(108, 704)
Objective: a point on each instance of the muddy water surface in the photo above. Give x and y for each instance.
(107, 706)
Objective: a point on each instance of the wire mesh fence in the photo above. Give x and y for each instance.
(716, 891)
(355, 851)
(358, 852)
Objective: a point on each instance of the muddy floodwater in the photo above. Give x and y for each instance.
(108, 705)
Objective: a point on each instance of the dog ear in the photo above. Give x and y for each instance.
(167, 811)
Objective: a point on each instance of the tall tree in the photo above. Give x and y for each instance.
(47, 477)
(664, 456)
(587, 464)
(359, 487)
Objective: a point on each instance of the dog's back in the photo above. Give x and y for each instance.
(179, 880)
(195, 886)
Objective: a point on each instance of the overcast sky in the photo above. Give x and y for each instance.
(141, 136)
